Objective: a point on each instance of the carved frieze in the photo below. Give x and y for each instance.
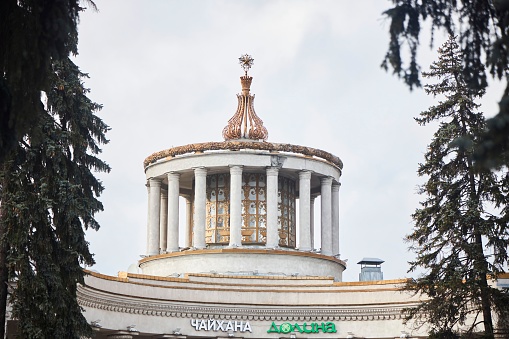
(90, 298)
(238, 145)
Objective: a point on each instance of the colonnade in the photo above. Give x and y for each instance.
(163, 216)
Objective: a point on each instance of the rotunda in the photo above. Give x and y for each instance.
(242, 196)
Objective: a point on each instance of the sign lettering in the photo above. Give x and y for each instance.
(285, 328)
(221, 325)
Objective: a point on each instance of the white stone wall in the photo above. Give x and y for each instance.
(247, 262)
(158, 306)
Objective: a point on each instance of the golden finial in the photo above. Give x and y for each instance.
(245, 124)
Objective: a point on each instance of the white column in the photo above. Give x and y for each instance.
(335, 218)
(200, 183)
(148, 214)
(235, 206)
(154, 216)
(173, 212)
(189, 214)
(272, 210)
(304, 210)
(326, 186)
(163, 221)
(312, 220)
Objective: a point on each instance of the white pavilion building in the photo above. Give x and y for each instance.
(241, 272)
(242, 197)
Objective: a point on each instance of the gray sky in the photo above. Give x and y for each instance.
(167, 74)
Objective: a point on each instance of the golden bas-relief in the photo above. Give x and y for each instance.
(254, 210)
(218, 209)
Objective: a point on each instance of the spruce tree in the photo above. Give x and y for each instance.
(460, 234)
(49, 198)
(33, 34)
(482, 28)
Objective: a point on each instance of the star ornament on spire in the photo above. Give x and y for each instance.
(246, 61)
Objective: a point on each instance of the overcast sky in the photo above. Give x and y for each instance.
(167, 74)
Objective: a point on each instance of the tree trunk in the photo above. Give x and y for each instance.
(3, 278)
(484, 288)
(486, 309)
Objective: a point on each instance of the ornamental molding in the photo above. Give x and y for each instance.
(245, 123)
(278, 161)
(88, 297)
(238, 145)
(242, 250)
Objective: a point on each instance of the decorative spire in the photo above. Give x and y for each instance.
(245, 124)
(246, 61)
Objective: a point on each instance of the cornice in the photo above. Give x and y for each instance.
(88, 297)
(242, 250)
(241, 144)
(277, 282)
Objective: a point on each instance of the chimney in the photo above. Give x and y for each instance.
(371, 269)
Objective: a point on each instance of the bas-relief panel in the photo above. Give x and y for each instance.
(254, 209)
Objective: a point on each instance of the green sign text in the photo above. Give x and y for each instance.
(302, 328)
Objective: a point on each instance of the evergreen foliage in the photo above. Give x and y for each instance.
(49, 198)
(461, 235)
(47, 152)
(33, 34)
(482, 28)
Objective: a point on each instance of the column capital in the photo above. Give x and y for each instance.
(326, 181)
(154, 182)
(200, 171)
(335, 187)
(236, 169)
(305, 174)
(272, 171)
(173, 175)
